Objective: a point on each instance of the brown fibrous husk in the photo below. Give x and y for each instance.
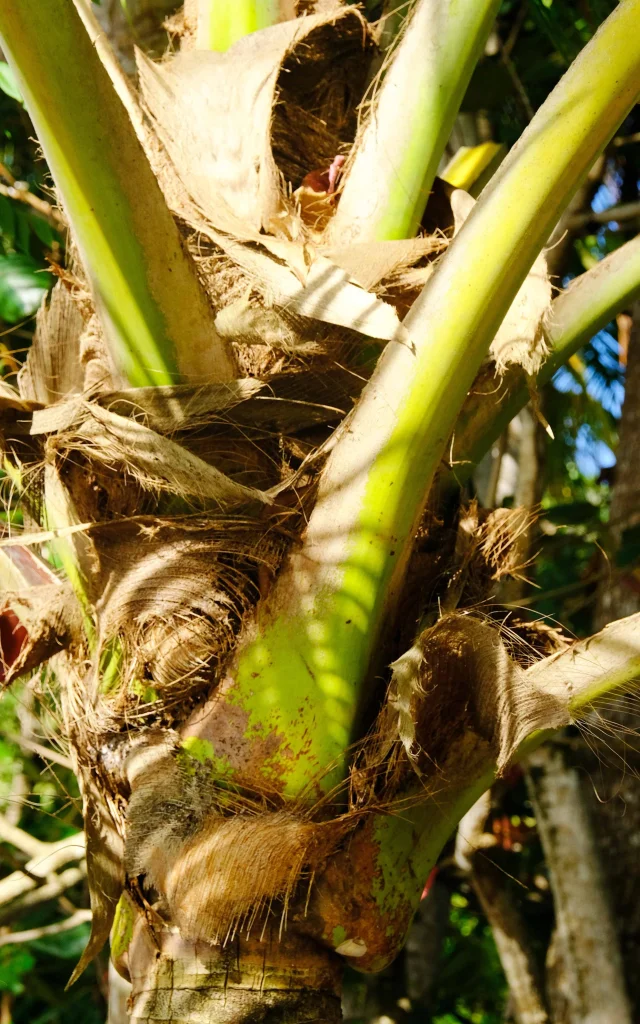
(192, 840)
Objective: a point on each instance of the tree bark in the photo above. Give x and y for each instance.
(273, 979)
(119, 991)
(512, 942)
(585, 974)
(616, 808)
(619, 593)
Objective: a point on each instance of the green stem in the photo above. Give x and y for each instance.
(221, 23)
(472, 166)
(587, 305)
(157, 318)
(394, 15)
(391, 176)
(298, 681)
(401, 848)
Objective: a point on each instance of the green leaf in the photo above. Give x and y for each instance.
(574, 513)
(8, 82)
(42, 230)
(23, 284)
(67, 945)
(15, 962)
(7, 222)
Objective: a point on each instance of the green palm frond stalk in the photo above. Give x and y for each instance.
(408, 844)
(303, 673)
(583, 309)
(390, 179)
(221, 23)
(158, 320)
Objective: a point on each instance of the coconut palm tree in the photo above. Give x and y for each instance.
(275, 352)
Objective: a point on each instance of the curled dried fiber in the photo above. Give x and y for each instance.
(192, 840)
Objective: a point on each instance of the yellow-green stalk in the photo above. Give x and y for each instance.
(221, 23)
(157, 318)
(298, 681)
(392, 173)
(403, 847)
(584, 308)
(472, 166)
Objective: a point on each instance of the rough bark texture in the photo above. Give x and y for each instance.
(512, 942)
(585, 977)
(617, 811)
(275, 980)
(620, 594)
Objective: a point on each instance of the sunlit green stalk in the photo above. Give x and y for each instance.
(587, 305)
(389, 182)
(300, 678)
(402, 847)
(472, 166)
(157, 318)
(221, 23)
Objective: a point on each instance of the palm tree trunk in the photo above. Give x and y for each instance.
(119, 990)
(507, 924)
(618, 594)
(585, 977)
(284, 979)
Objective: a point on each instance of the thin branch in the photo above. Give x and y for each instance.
(43, 864)
(39, 206)
(12, 938)
(34, 848)
(512, 38)
(523, 95)
(46, 753)
(619, 214)
(35, 896)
